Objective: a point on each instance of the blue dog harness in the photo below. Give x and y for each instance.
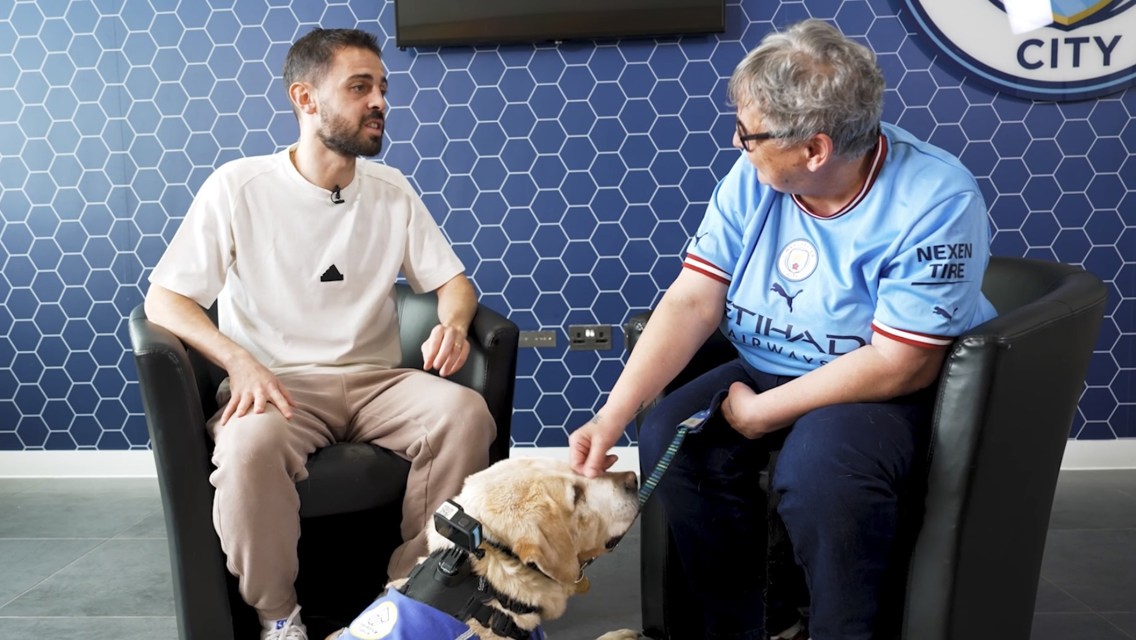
(438, 596)
(395, 617)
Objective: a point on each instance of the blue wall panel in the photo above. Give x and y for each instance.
(568, 177)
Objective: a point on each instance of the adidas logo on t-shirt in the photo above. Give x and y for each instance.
(331, 275)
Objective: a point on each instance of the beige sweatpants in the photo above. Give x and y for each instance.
(442, 428)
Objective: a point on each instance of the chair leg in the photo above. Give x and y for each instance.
(669, 612)
(652, 570)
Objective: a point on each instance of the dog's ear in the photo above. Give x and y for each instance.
(554, 555)
(549, 547)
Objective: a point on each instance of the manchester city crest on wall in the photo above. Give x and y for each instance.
(1087, 50)
(1073, 14)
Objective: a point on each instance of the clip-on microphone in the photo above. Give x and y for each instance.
(337, 195)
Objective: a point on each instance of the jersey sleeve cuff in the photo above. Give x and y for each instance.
(912, 338)
(706, 268)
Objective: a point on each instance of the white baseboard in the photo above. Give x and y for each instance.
(1079, 454)
(1100, 454)
(140, 464)
(77, 464)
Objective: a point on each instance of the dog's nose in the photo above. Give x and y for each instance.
(629, 481)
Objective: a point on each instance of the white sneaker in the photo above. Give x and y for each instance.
(289, 628)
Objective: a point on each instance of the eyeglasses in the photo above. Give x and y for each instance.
(747, 138)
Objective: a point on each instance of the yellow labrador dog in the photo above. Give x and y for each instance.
(506, 553)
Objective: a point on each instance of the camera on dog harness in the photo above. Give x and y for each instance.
(446, 582)
(465, 531)
(459, 527)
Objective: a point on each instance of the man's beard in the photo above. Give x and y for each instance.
(342, 137)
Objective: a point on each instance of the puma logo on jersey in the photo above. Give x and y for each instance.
(779, 290)
(939, 311)
(698, 237)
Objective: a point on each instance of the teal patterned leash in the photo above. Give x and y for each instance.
(693, 424)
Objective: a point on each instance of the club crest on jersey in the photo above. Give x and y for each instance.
(797, 261)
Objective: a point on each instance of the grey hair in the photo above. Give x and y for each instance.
(812, 79)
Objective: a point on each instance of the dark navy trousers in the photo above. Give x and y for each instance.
(849, 482)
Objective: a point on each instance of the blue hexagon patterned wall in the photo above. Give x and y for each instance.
(568, 177)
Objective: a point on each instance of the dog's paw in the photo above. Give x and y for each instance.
(622, 634)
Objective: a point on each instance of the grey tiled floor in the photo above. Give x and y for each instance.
(88, 559)
(1088, 576)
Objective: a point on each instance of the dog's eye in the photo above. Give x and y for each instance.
(577, 493)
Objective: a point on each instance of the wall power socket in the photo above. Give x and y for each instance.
(593, 337)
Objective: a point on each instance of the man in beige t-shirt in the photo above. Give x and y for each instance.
(301, 250)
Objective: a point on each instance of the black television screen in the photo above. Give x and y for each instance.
(421, 23)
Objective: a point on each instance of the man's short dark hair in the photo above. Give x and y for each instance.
(310, 57)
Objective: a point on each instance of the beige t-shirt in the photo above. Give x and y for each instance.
(301, 281)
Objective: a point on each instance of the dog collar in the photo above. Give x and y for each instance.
(506, 550)
(468, 535)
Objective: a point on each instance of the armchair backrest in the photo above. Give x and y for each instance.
(1007, 397)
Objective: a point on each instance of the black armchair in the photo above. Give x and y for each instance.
(354, 488)
(1007, 397)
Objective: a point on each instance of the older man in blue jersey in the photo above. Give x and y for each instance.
(841, 256)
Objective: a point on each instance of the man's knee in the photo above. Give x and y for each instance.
(466, 413)
(255, 441)
(248, 434)
(480, 418)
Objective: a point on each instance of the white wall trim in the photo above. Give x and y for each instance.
(1100, 454)
(77, 464)
(1079, 454)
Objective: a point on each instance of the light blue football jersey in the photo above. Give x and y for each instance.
(904, 258)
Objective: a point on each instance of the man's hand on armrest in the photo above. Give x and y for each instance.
(252, 384)
(447, 348)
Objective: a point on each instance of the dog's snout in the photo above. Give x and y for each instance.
(629, 481)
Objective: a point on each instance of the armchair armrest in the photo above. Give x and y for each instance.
(1007, 397)
(491, 368)
(169, 385)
